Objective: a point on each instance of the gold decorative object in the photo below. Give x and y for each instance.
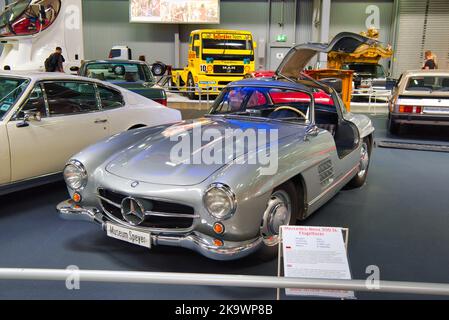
(364, 53)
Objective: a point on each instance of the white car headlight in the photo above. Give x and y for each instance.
(75, 175)
(219, 201)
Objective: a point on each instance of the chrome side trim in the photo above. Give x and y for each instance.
(335, 184)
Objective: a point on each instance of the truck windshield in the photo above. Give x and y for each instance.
(119, 72)
(428, 83)
(224, 46)
(228, 44)
(23, 18)
(10, 91)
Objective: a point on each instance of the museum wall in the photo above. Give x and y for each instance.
(356, 16)
(106, 23)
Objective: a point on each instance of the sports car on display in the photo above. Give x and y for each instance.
(47, 117)
(420, 98)
(132, 75)
(140, 188)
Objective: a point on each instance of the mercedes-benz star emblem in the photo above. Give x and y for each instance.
(133, 211)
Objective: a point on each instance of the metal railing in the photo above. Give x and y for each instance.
(206, 92)
(372, 94)
(204, 279)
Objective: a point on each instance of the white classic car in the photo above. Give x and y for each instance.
(47, 117)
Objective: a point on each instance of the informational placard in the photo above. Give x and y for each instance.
(315, 253)
(174, 11)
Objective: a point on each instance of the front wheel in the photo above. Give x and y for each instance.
(190, 87)
(360, 177)
(282, 209)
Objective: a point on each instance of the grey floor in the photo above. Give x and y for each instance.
(398, 221)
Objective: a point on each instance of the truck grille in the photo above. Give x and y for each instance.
(158, 215)
(221, 68)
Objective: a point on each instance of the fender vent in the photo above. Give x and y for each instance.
(326, 172)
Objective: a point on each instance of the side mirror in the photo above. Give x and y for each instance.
(254, 44)
(311, 131)
(74, 69)
(29, 115)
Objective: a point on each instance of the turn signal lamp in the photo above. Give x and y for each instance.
(218, 228)
(410, 109)
(247, 69)
(76, 197)
(210, 68)
(218, 243)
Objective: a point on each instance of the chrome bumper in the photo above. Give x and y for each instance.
(195, 241)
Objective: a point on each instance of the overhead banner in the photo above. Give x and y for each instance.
(174, 11)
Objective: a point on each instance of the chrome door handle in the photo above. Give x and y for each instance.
(101, 120)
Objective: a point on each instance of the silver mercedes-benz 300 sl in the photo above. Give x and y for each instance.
(270, 152)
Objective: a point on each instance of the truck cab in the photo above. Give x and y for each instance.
(215, 58)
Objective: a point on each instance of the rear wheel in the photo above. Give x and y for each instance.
(365, 153)
(282, 209)
(393, 126)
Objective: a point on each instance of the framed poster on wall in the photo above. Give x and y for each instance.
(175, 11)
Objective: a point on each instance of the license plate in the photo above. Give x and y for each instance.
(436, 110)
(129, 235)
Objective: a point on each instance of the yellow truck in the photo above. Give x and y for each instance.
(216, 57)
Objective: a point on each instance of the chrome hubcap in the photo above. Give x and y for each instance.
(277, 214)
(364, 160)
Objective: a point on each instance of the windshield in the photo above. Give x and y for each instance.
(218, 46)
(10, 91)
(24, 18)
(228, 44)
(366, 69)
(268, 103)
(428, 83)
(119, 72)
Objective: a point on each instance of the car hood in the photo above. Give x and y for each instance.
(299, 56)
(158, 158)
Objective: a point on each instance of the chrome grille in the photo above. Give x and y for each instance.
(158, 215)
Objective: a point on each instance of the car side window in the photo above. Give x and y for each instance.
(110, 99)
(35, 102)
(65, 98)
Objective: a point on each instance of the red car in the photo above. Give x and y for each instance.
(320, 96)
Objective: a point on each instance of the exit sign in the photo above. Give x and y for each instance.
(281, 38)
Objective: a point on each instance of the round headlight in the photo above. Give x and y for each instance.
(219, 201)
(75, 175)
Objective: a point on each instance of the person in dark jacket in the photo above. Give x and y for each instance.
(430, 61)
(55, 61)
